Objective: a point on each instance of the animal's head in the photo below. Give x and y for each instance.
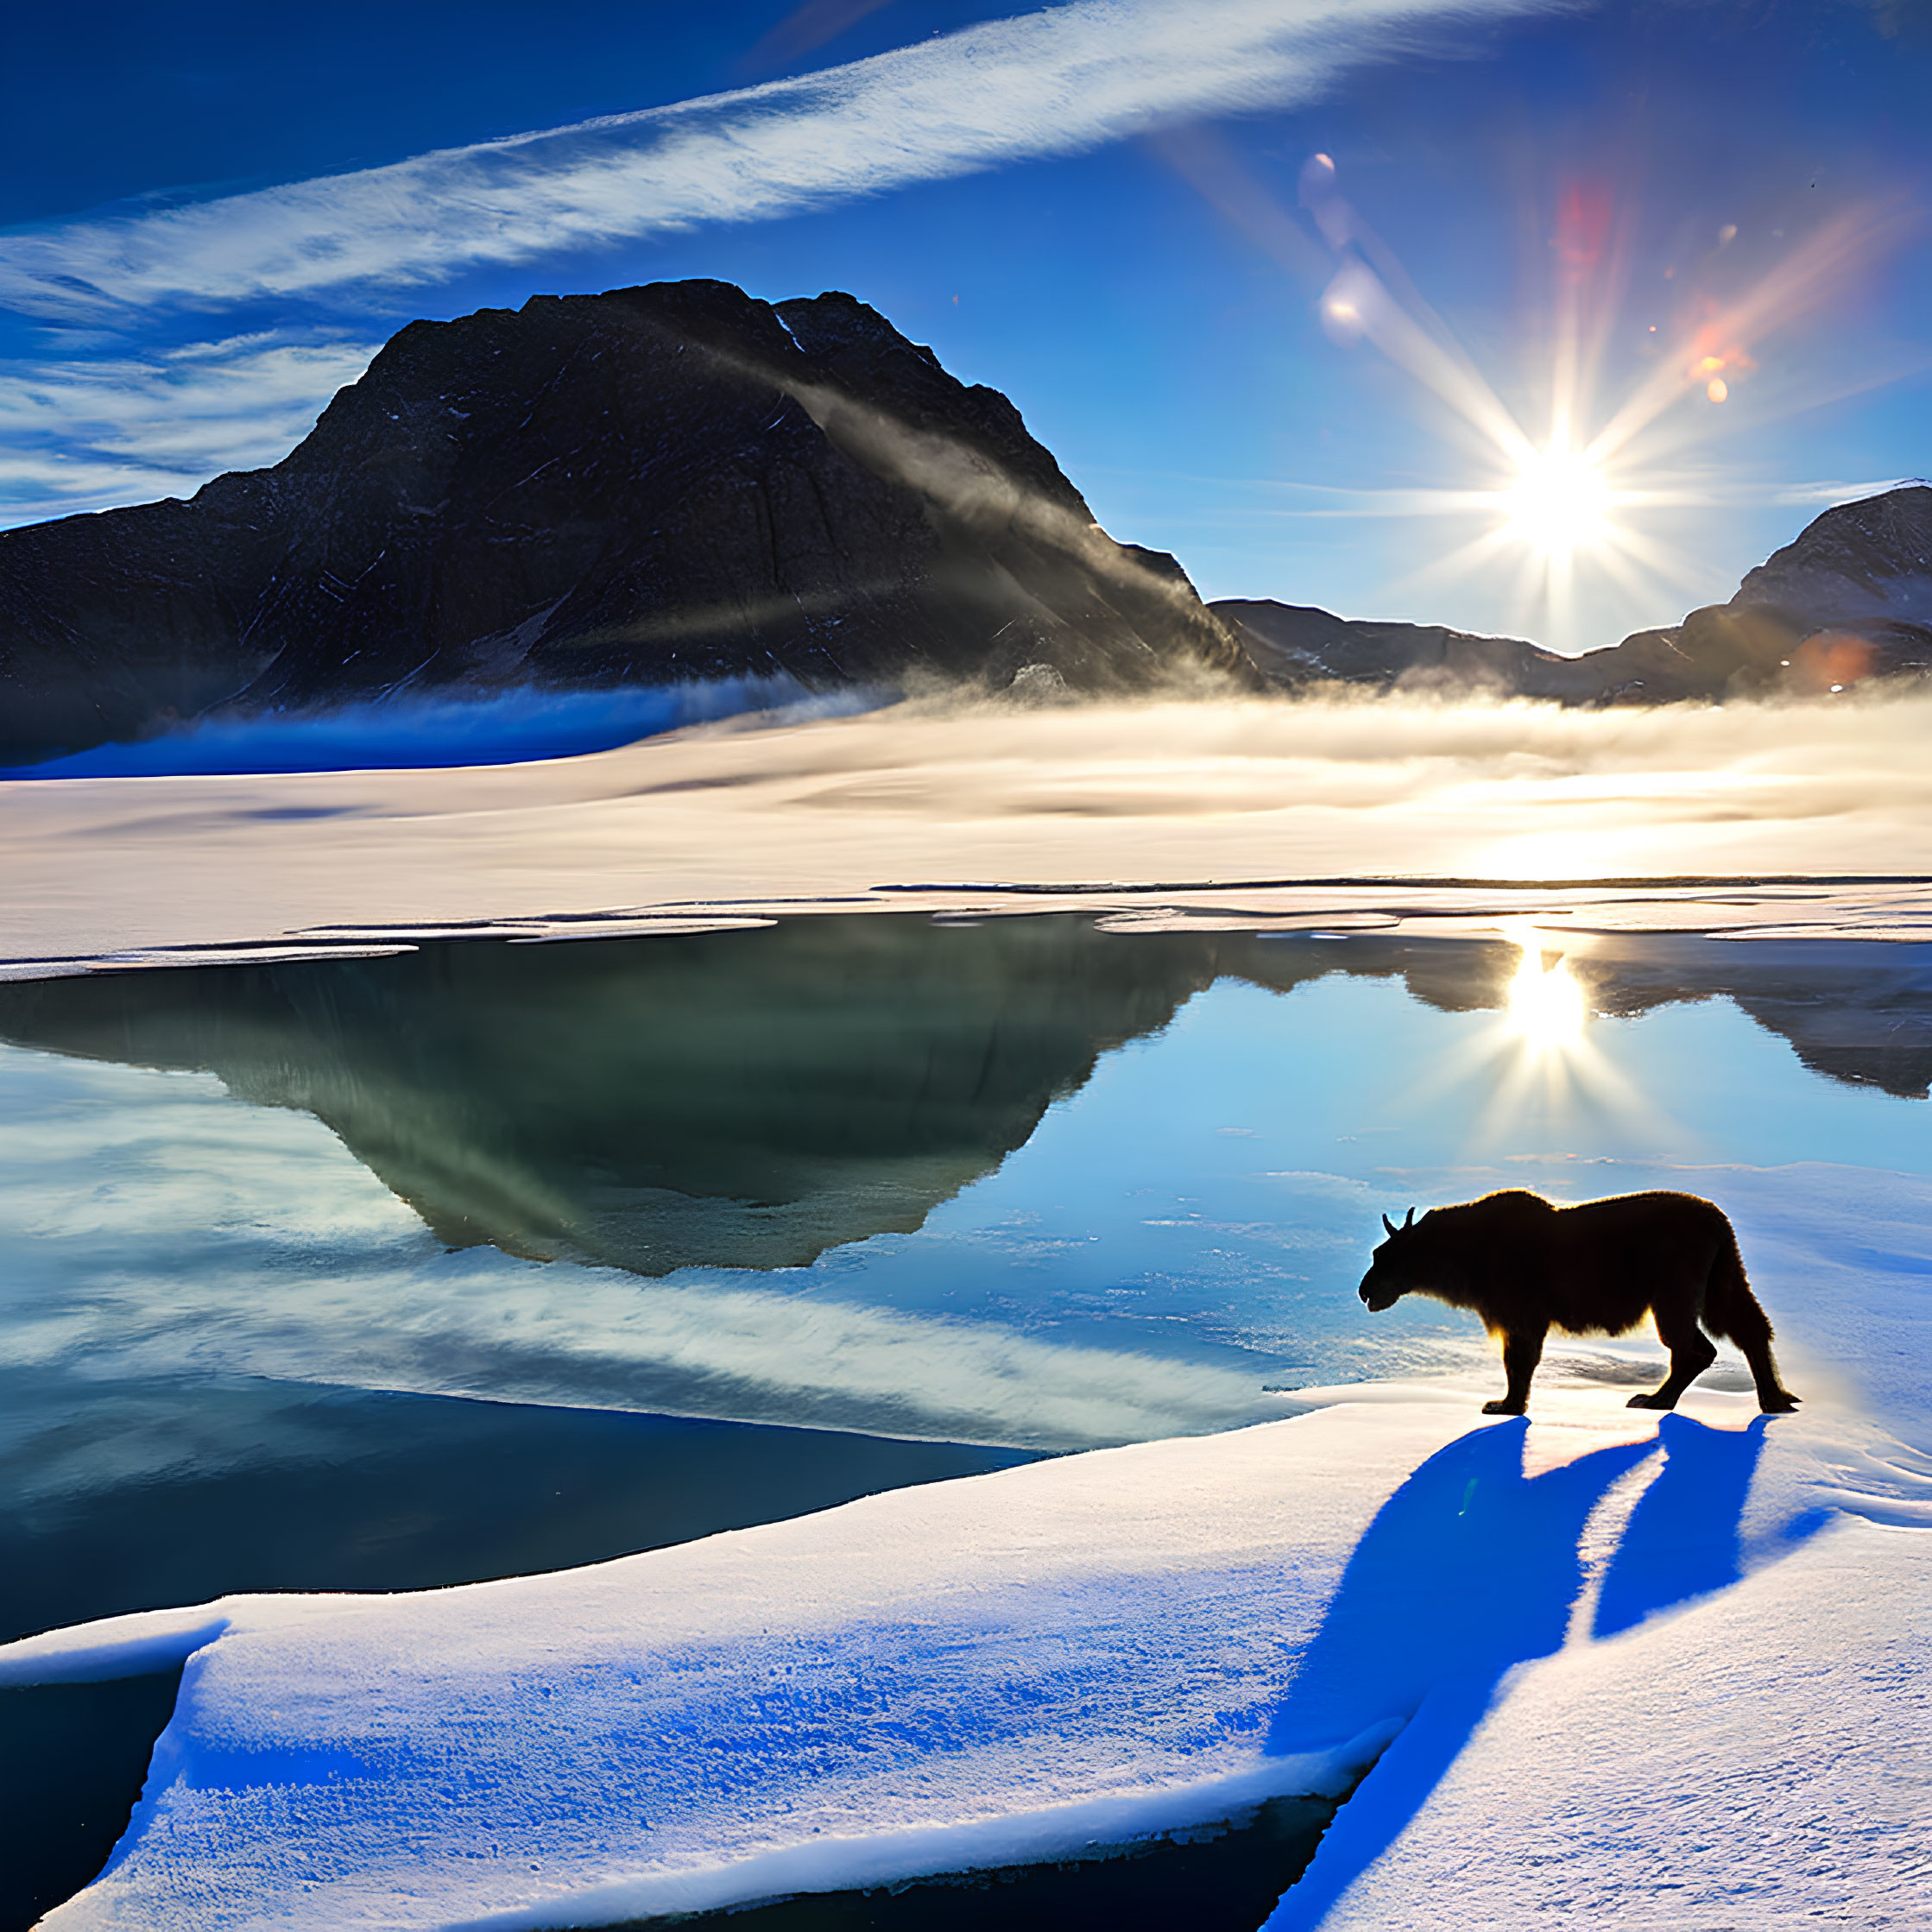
(1398, 1264)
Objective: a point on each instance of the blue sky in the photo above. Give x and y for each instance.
(1319, 380)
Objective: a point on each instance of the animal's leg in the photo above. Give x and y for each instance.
(1522, 1351)
(1731, 1310)
(1691, 1353)
(1773, 1398)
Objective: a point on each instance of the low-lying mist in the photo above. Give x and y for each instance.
(1474, 787)
(1217, 805)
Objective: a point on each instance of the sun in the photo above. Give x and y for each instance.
(1560, 501)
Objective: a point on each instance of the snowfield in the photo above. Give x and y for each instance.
(1115, 808)
(1628, 1666)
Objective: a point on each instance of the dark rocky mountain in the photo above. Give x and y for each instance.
(678, 483)
(1851, 599)
(652, 485)
(1868, 563)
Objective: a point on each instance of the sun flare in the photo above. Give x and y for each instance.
(1559, 501)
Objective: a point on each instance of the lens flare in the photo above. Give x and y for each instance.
(1574, 527)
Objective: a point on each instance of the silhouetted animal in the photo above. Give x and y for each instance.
(1526, 1266)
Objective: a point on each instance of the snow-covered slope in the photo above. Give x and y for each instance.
(1013, 1665)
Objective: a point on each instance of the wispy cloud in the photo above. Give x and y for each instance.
(1057, 82)
(1830, 492)
(83, 435)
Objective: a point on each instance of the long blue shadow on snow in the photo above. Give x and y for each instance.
(1470, 1569)
(1681, 1538)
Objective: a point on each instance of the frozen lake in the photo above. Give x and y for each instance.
(486, 1258)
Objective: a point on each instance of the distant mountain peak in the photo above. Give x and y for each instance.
(1859, 563)
(1849, 600)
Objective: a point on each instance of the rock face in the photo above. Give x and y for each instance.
(1864, 563)
(1850, 600)
(652, 485)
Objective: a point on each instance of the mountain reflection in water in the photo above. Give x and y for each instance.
(736, 1099)
(749, 1099)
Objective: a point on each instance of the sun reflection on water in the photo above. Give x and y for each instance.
(1547, 1006)
(1533, 1077)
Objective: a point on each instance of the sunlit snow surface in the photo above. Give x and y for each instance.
(1017, 1664)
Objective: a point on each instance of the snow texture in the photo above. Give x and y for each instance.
(999, 1669)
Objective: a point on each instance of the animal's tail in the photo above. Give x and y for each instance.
(1733, 1312)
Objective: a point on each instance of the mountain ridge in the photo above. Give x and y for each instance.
(652, 485)
(1849, 599)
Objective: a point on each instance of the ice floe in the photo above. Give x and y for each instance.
(1095, 1648)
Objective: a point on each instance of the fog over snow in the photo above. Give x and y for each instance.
(1201, 800)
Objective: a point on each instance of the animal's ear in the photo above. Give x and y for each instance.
(1409, 1223)
(1388, 1224)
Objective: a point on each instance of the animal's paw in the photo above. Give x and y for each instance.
(1782, 1404)
(1649, 1402)
(1504, 1406)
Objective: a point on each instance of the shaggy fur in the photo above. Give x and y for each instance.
(1526, 1266)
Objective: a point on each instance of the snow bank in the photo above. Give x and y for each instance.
(1759, 1761)
(1002, 1668)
